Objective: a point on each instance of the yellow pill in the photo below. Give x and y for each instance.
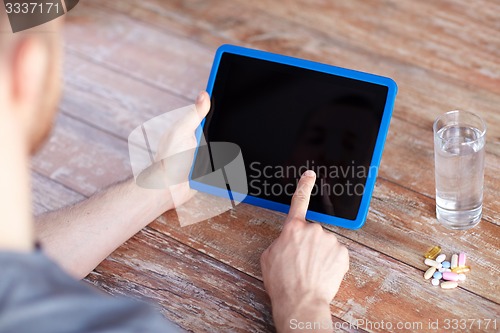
(433, 252)
(461, 269)
(449, 284)
(428, 273)
(454, 261)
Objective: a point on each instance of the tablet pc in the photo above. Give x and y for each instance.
(288, 115)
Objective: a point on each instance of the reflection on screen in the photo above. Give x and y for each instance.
(287, 120)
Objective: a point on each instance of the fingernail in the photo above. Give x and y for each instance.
(200, 98)
(309, 173)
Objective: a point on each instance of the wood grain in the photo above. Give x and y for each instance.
(158, 58)
(408, 160)
(416, 138)
(424, 92)
(425, 34)
(128, 61)
(83, 158)
(102, 98)
(238, 237)
(195, 291)
(49, 195)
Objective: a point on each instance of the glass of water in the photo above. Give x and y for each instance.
(459, 138)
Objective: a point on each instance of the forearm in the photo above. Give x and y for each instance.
(306, 316)
(81, 236)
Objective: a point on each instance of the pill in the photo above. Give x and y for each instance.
(450, 276)
(462, 258)
(461, 277)
(454, 260)
(428, 273)
(463, 269)
(446, 264)
(441, 270)
(440, 258)
(433, 263)
(437, 275)
(433, 252)
(446, 270)
(449, 284)
(435, 282)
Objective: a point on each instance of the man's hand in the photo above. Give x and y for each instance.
(175, 151)
(182, 141)
(304, 266)
(81, 236)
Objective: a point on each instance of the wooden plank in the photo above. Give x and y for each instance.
(492, 145)
(401, 225)
(195, 291)
(378, 288)
(77, 155)
(425, 92)
(385, 278)
(408, 160)
(82, 158)
(141, 52)
(426, 124)
(408, 157)
(374, 279)
(239, 237)
(452, 38)
(112, 102)
(81, 133)
(416, 175)
(48, 195)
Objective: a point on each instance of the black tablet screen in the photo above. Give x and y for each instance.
(288, 119)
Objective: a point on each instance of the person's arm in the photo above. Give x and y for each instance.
(78, 238)
(303, 268)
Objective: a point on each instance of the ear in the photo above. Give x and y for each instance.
(29, 66)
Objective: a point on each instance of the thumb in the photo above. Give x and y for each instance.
(203, 104)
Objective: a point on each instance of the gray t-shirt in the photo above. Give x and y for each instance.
(37, 296)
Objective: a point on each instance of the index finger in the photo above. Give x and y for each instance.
(300, 199)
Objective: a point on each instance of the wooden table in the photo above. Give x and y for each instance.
(127, 61)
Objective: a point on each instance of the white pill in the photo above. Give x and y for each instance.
(440, 258)
(441, 270)
(461, 277)
(449, 284)
(446, 270)
(428, 273)
(454, 261)
(435, 282)
(433, 263)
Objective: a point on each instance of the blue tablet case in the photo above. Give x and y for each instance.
(318, 67)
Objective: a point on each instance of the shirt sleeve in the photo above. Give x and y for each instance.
(37, 296)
